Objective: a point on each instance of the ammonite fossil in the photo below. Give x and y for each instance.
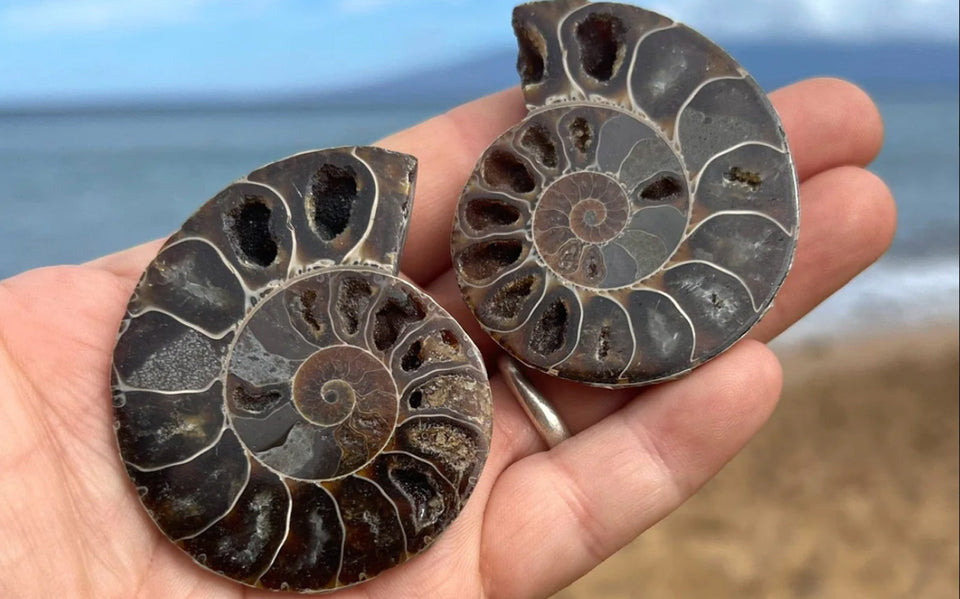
(295, 416)
(641, 218)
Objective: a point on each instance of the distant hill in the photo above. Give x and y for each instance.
(902, 68)
(898, 67)
(878, 67)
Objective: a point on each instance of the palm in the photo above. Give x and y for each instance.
(538, 519)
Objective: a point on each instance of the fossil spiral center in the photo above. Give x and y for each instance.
(619, 210)
(592, 205)
(320, 395)
(308, 411)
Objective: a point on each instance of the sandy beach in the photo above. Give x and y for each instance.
(851, 489)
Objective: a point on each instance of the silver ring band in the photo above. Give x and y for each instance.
(541, 414)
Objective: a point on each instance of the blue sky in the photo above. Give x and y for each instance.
(67, 50)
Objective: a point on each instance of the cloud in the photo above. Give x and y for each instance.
(85, 16)
(818, 19)
(853, 20)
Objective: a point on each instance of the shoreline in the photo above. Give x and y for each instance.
(850, 490)
(866, 349)
(897, 294)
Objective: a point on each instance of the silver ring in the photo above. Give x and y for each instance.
(541, 414)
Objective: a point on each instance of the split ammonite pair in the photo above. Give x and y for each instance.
(295, 416)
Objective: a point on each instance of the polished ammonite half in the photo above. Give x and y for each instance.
(294, 415)
(642, 217)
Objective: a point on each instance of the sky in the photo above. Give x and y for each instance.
(57, 51)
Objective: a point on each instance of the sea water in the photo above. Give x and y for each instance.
(916, 282)
(74, 186)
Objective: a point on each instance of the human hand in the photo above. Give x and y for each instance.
(70, 522)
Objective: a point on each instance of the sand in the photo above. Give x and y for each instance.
(851, 489)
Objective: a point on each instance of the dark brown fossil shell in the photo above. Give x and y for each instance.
(642, 217)
(293, 414)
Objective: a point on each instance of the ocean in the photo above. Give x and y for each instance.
(80, 185)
